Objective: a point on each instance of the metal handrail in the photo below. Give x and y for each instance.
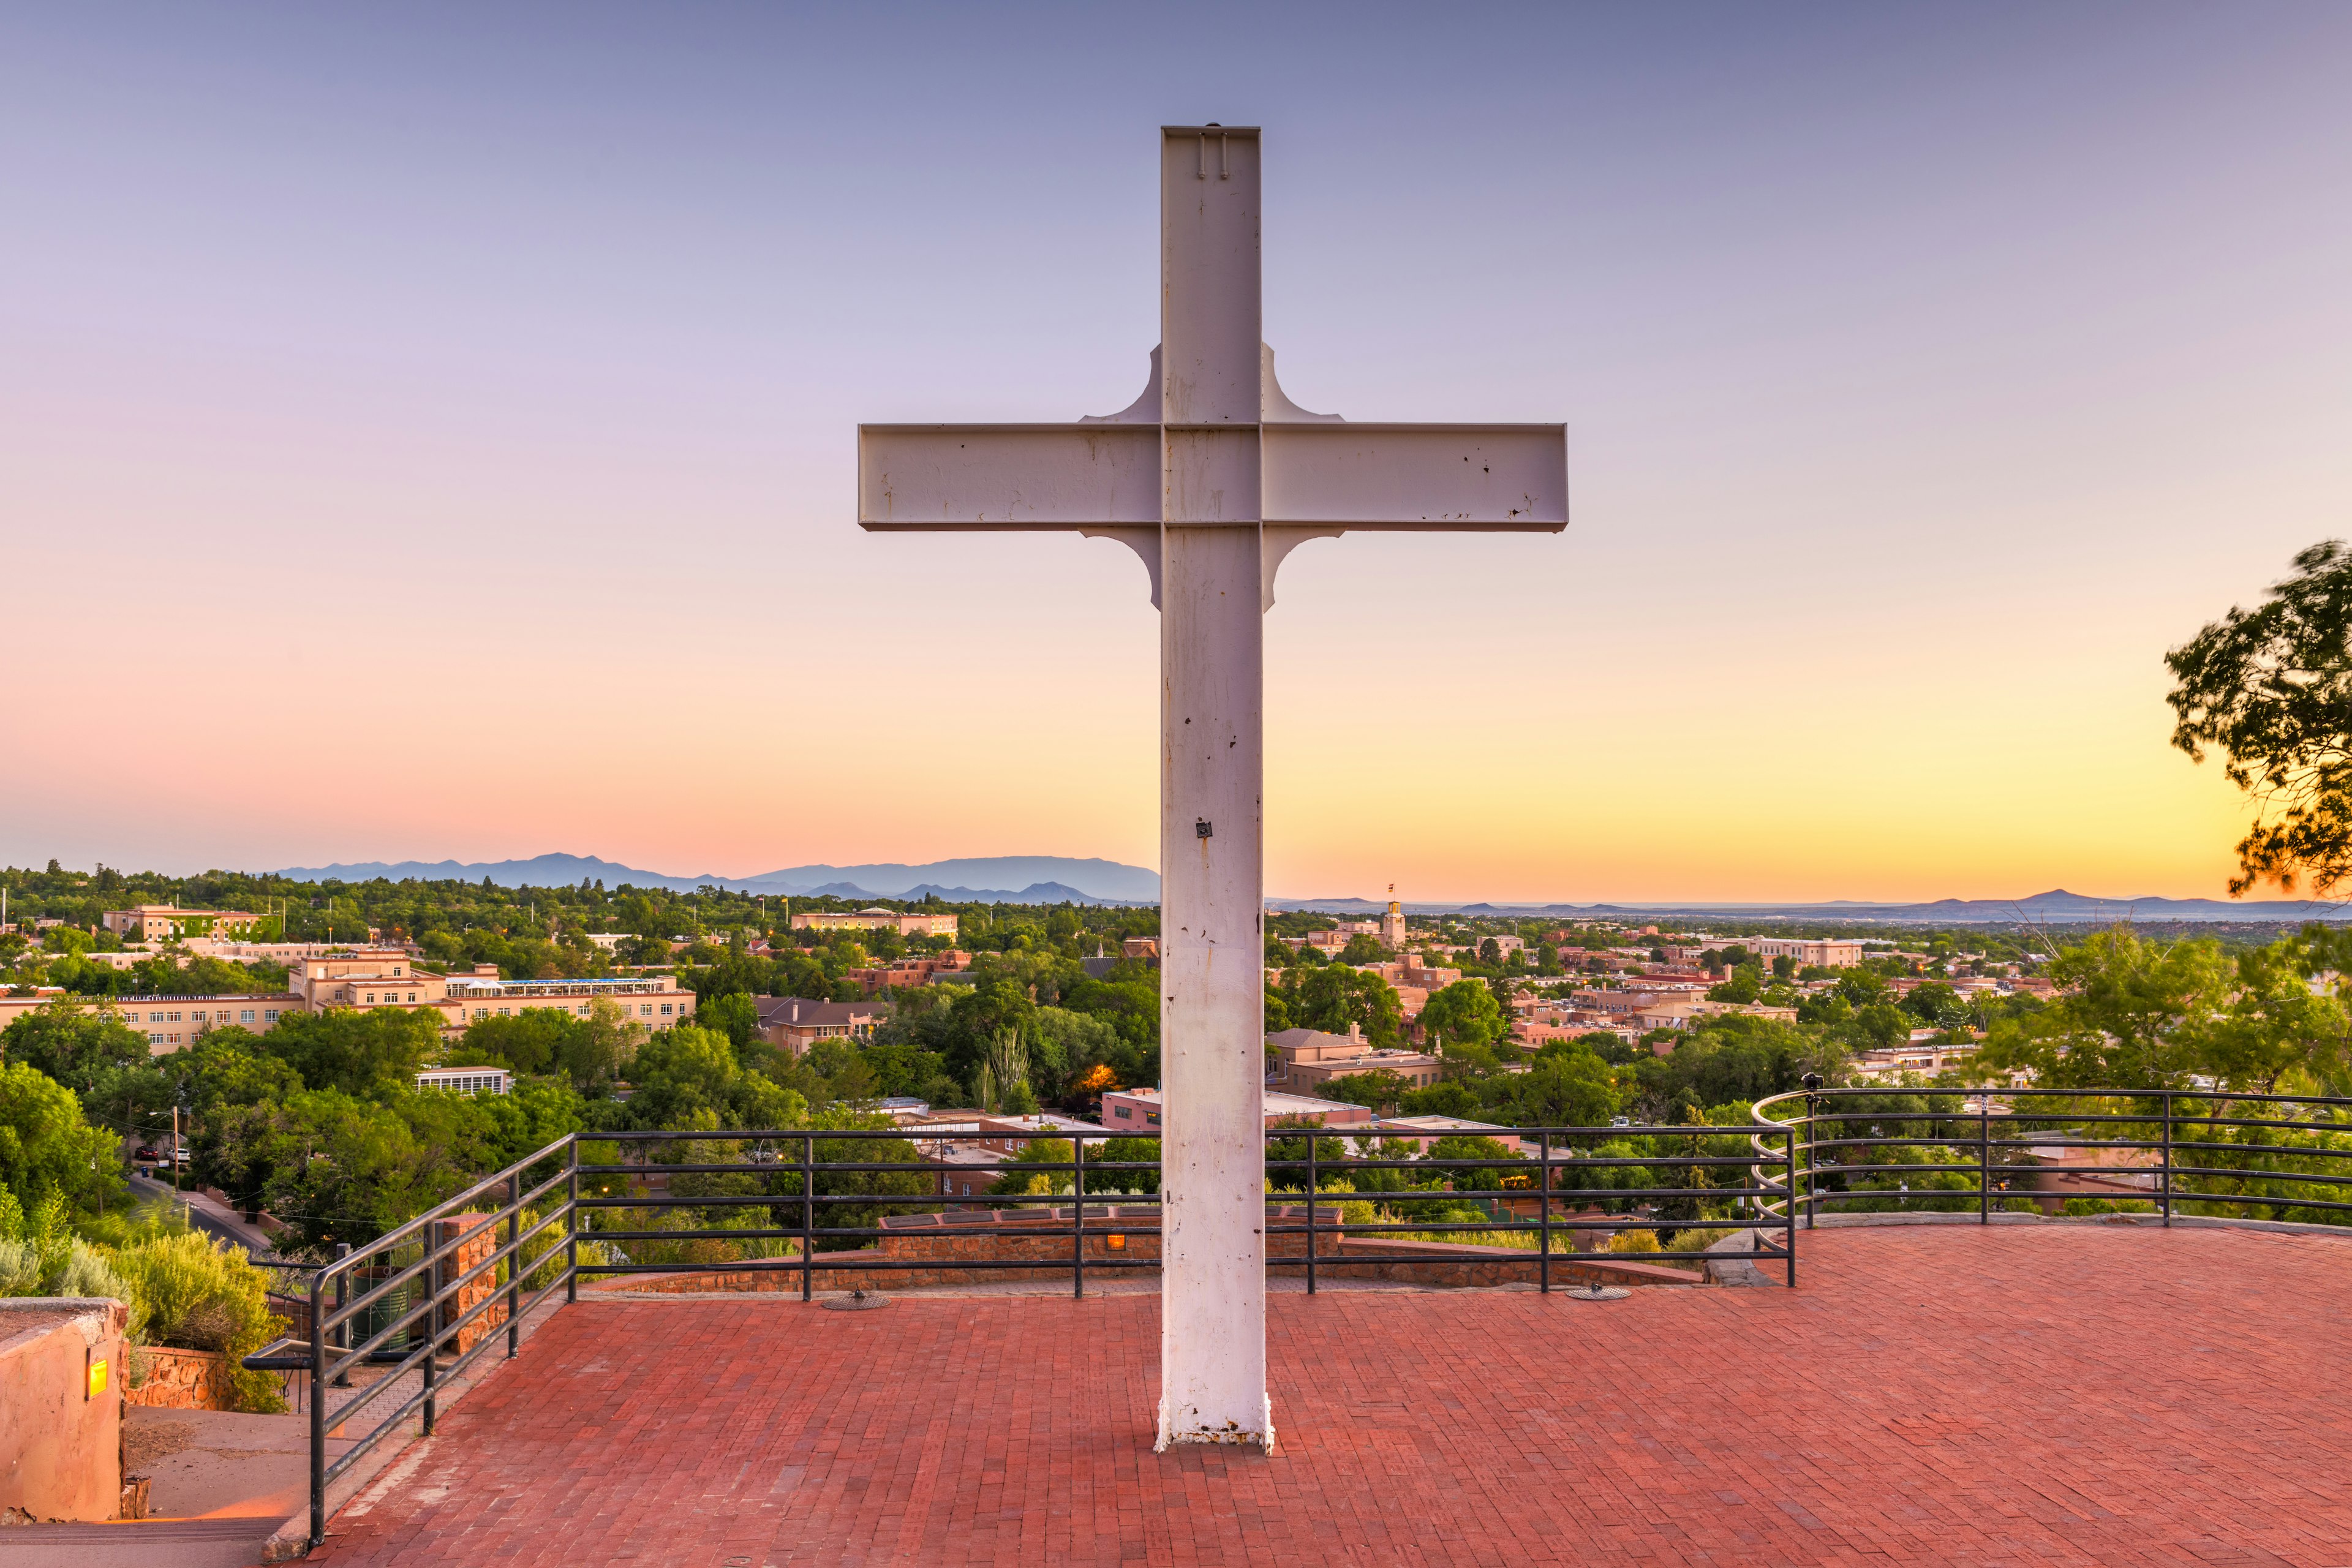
(1817, 1137)
(396, 1325)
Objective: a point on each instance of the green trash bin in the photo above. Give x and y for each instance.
(384, 1311)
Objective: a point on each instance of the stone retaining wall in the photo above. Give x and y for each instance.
(181, 1380)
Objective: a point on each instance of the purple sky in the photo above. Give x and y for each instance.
(430, 435)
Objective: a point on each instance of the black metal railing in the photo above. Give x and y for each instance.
(788, 1172)
(2209, 1153)
(397, 1310)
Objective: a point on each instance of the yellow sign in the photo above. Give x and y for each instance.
(97, 1377)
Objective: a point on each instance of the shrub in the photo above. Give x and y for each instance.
(1636, 1241)
(190, 1292)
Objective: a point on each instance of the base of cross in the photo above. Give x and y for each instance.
(1229, 1434)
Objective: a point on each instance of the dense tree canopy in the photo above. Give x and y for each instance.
(2271, 688)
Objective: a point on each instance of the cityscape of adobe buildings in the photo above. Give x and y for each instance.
(1649, 986)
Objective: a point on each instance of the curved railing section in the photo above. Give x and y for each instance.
(2192, 1153)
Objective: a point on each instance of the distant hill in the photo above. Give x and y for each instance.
(1040, 879)
(2057, 906)
(1057, 878)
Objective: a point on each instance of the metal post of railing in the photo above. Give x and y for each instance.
(1788, 1208)
(342, 1330)
(1543, 1264)
(1311, 1185)
(514, 1265)
(319, 1410)
(2167, 1157)
(432, 1315)
(1077, 1219)
(572, 1225)
(808, 1216)
(1812, 1102)
(1984, 1158)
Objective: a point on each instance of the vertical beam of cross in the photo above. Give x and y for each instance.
(1212, 477)
(1212, 768)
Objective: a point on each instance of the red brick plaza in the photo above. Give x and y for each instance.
(2039, 1397)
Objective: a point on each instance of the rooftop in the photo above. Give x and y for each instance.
(2053, 1394)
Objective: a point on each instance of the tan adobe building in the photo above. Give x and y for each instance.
(1421, 1132)
(170, 1023)
(878, 920)
(1809, 953)
(1138, 1109)
(164, 922)
(387, 977)
(365, 978)
(883, 977)
(793, 1024)
(1311, 1058)
(654, 1001)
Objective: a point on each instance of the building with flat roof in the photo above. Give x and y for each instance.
(1139, 1109)
(466, 1081)
(1313, 1058)
(652, 1000)
(876, 919)
(1823, 952)
(877, 978)
(168, 922)
(1421, 1132)
(170, 1023)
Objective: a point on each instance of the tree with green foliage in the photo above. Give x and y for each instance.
(2271, 689)
(2130, 1013)
(46, 1146)
(76, 1044)
(1333, 997)
(1568, 1086)
(1463, 1013)
(1381, 1088)
(357, 1052)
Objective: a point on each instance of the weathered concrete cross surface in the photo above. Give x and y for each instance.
(1212, 476)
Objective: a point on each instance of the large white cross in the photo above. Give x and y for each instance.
(1213, 477)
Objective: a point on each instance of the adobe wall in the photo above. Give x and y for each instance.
(62, 1375)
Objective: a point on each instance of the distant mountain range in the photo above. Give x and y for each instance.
(1058, 879)
(2057, 906)
(1005, 879)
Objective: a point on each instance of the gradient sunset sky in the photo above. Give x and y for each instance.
(431, 433)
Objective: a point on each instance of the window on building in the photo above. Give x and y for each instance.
(1124, 1114)
(154, 1040)
(270, 1014)
(645, 1010)
(665, 1014)
(412, 997)
(244, 1016)
(504, 1014)
(173, 1019)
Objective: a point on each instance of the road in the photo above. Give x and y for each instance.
(209, 1214)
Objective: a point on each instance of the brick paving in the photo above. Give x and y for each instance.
(2030, 1396)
